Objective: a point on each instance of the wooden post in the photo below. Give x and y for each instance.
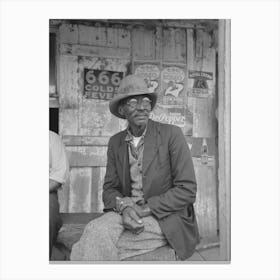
(224, 137)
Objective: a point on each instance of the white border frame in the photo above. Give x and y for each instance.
(255, 138)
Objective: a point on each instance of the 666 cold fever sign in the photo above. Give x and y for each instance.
(100, 84)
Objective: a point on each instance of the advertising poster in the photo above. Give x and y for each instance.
(179, 116)
(101, 84)
(201, 85)
(173, 87)
(151, 74)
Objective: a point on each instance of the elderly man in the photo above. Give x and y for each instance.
(149, 187)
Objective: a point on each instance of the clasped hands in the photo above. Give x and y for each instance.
(132, 214)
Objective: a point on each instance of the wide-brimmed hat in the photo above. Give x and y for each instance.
(131, 85)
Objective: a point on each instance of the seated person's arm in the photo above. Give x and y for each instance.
(53, 185)
(112, 184)
(59, 166)
(142, 210)
(183, 190)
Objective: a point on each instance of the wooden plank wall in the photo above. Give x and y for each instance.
(202, 57)
(87, 124)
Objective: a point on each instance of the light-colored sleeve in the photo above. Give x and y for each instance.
(58, 165)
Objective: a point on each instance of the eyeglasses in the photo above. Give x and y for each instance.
(145, 103)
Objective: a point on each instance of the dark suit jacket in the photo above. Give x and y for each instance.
(169, 183)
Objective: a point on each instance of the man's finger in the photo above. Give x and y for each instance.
(127, 226)
(131, 222)
(135, 217)
(138, 231)
(136, 228)
(126, 219)
(132, 226)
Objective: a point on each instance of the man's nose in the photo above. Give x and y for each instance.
(140, 106)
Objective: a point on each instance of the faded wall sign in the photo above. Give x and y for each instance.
(200, 86)
(179, 115)
(150, 72)
(173, 84)
(101, 84)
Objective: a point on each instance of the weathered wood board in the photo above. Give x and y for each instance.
(94, 51)
(83, 156)
(80, 189)
(204, 120)
(174, 45)
(68, 33)
(83, 192)
(206, 202)
(144, 44)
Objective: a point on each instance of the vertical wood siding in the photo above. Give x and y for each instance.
(206, 203)
(174, 45)
(144, 43)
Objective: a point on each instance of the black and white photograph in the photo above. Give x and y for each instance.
(139, 140)
(156, 124)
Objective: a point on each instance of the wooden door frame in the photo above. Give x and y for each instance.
(224, 174)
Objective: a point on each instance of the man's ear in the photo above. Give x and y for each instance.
(121, 110)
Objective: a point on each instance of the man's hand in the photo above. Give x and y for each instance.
(142, 210)
(123, 202)
(132, 221)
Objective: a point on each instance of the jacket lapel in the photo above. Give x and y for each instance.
(124, 166)
(150, 146)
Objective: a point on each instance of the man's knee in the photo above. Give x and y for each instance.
(112, 217)
(106, 224)
(109, 220)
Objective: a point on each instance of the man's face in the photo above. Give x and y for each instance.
(137, 109)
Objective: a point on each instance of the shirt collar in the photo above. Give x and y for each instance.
(129, 136)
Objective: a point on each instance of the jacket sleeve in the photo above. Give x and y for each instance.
(182, 193)
(112, 184)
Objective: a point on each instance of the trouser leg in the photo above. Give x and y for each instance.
(55, 221)
(151, 238)
(105, 239)
(99, 239)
